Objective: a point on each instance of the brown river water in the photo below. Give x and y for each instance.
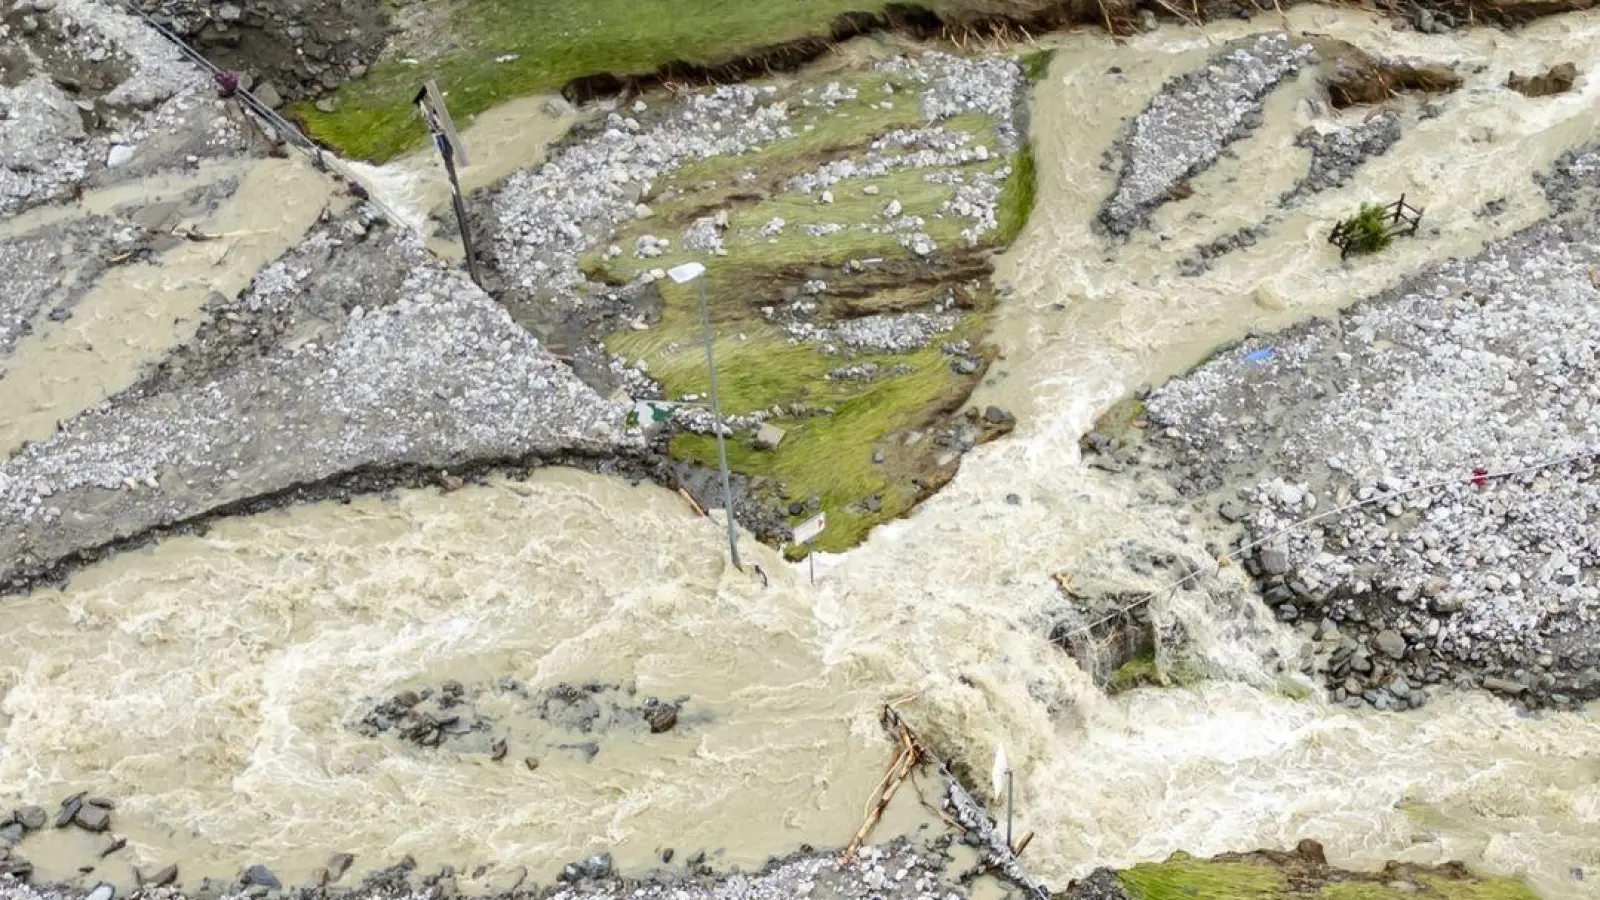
(209, 683)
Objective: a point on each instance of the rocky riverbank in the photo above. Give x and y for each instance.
(355, 353)
(1440, 438)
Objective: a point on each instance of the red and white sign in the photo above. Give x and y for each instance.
(806, 531)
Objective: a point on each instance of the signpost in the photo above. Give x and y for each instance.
(692, 271)
(434, 112)
(806, 532)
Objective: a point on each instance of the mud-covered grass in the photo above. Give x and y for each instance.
(1036, 65)
(857, 445)
(1019, 194)
(1145, 670)
(1280, 876)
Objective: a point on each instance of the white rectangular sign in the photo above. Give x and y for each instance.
(809, 529)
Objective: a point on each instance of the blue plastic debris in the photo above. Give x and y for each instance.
(1262, 355)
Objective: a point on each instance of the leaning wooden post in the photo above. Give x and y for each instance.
(443, 131)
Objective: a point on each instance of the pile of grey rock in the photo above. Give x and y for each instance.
(1185, 128)
(99, 96)
(284, 50)
(542, 218)
(888, 333)
(1337, 152)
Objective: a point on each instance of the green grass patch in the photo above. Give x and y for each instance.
(1185, 878)
(1017, 195)
(1256, 878)
(1141, 671)
(554, 41)
(832, 456)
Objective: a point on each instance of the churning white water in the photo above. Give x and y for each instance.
(210, 683)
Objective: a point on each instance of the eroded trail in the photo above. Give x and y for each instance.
(213, 684)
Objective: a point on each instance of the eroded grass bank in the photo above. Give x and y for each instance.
(1302, 875)
(849, 289)
(489, 52)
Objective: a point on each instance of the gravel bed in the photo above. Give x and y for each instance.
(50, 269)
(430, 372)
(901, 870)
(1337, 153)
(1183, 130)
(1486, 364)
(105, 98)
(900, 333)
(36, 275)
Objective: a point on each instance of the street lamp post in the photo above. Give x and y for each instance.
(693, 271)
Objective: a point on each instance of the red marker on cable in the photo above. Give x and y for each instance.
(1480, 477)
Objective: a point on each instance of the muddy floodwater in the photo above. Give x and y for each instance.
(214, 685)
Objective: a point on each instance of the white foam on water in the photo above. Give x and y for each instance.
(210, 683)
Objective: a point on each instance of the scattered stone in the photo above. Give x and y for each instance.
(102, 891)
(338, 864)
(69, 810)
(163, 877)
(92, 818)
(1274, 559)
(12, 833)
(1503, 686)
(596, 867)
(31, 817)
(1558, 79)
(662, 719)
(768, 437)
(1391, 644)
(269, 96)
(261, 876)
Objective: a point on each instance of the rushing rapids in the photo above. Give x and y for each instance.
(214, 684)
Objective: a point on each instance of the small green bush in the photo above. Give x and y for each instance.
(1368, 229)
